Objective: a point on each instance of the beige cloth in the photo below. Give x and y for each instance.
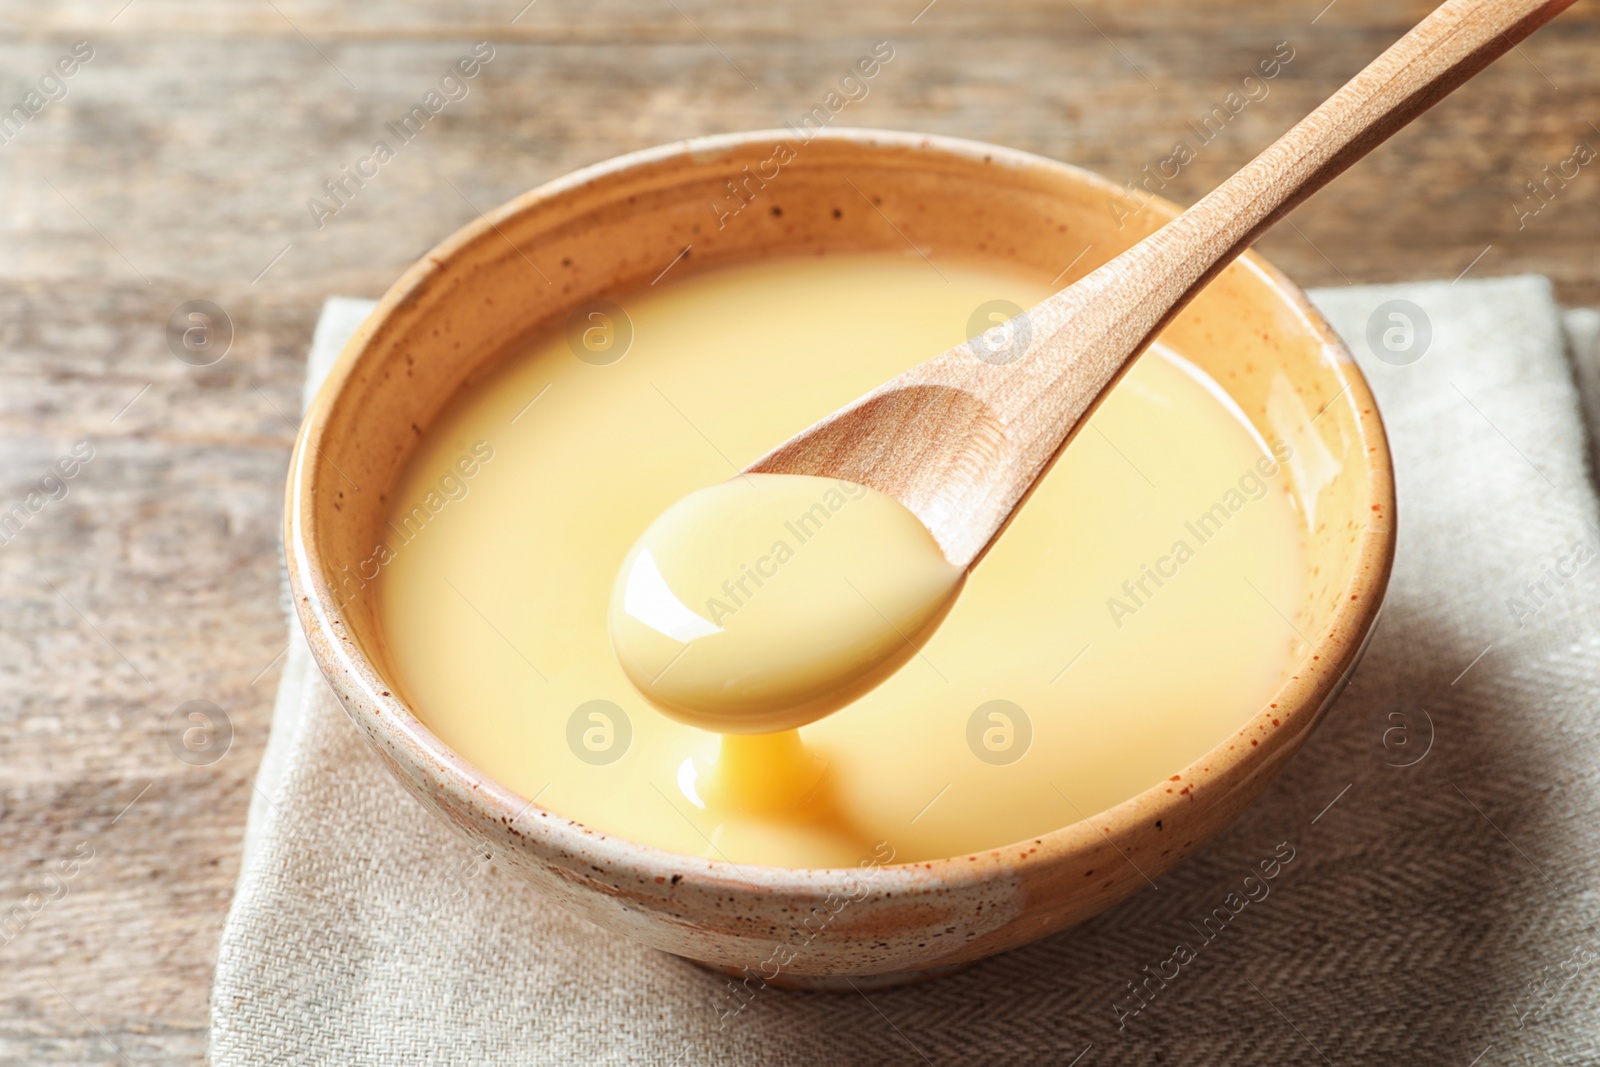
(1441, 913)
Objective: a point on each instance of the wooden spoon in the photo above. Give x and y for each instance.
(961, 439)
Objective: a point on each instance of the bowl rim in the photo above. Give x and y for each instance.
(370, 700)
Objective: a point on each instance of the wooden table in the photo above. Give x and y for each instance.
(178, 166)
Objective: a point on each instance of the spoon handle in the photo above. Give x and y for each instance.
(1087, 335)
(1449, 46)
(962, 438)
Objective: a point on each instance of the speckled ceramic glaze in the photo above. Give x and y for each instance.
(519, 271)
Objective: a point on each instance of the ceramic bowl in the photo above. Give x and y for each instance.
(508, 277)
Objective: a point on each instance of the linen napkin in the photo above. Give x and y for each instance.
(1444, 821)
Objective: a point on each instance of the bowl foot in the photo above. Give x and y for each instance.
(841, 983)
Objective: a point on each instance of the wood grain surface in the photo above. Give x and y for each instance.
(177, 166)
